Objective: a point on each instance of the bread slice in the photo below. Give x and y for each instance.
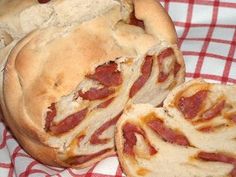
(193, 134)
(64, 88)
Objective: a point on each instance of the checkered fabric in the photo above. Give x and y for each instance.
(207, 38)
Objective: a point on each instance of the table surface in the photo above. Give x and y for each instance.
(207, 38)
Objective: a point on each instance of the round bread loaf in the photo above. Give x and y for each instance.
(64, 88)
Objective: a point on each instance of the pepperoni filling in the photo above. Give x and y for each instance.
(211, 128)
(213, 111)
(218, 157)
(152, 150)
(69, 122)
(43, 1)
(146, 72)
(162, 76)
(105, 103)
(129, 131)
(233, 117)
(107, 75)
(176, 68)
(79, 139)
(190, 106)
(206, 129)
(136, 22)
(164, 54)
(95, 137)
(77, 160)
(50, 116)
(96, 94)
(168, 134)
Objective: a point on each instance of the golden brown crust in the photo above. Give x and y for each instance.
(157, 21)
(9, 8)
(180, 59)
(11, 100)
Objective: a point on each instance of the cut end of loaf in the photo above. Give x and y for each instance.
(185, 133)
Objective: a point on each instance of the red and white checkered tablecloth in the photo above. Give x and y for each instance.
(207, 38)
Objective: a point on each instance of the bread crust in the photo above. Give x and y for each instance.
(18, 18)
(157, 21)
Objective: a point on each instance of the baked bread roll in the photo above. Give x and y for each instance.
(193, 134)
(18, 18)
(63, 89)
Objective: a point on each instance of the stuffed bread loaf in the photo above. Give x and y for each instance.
(193, 134)
(64, 88)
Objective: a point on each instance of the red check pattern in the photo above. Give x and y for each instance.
(207, 38)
